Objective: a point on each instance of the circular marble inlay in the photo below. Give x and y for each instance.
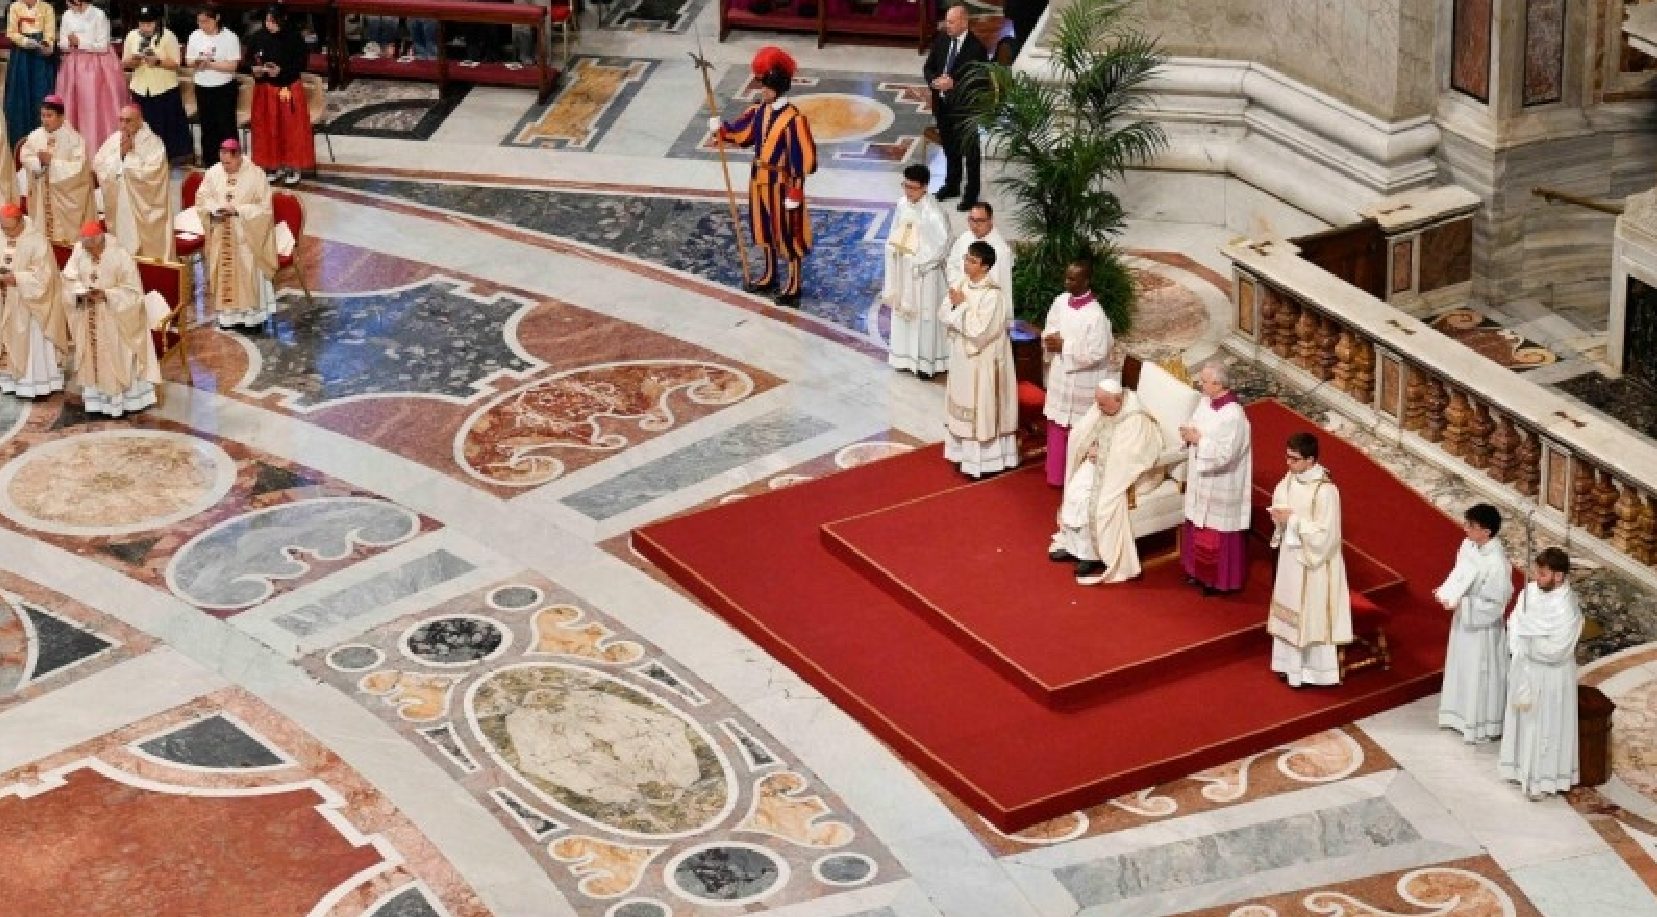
(727, 873)
(639, 907)
(515, 598)
(355, 657)
(454, 640)
(842, 118)
(844, 869)
(115, 482)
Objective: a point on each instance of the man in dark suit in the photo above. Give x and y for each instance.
(953, 52)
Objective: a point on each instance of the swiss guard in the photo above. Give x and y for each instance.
(784, 154)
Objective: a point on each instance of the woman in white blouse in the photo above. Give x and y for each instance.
(215, 53)
(89, 75)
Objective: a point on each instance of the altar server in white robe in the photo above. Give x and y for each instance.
(1113, 444)
(33, 334)
(1213, 544)
(1077, 340)
(1539, 731)
(915, 253)
(114, 358)
(1311, 613)
(981, 396)
(1475, 664)
(981, 228)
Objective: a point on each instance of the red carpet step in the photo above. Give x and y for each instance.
(764, 565)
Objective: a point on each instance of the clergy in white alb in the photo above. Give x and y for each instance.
(133, 172)
(60, 175)
(234, 206)
(1539, 731)
(1077, 340)
(1213, 544)
(1477, 591)
(114, 357)
(914, 286)
(981, 228)
(981, 395)
(33, 334)
(1311, 612)
(1113, 444)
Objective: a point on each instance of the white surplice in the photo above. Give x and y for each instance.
(915, 253)
(1074, 372)
(1001, 273)
(1539, 730)
(1475, 663)
(1311, 611)
(1220, 472)
(981, 394)
(1107, 455)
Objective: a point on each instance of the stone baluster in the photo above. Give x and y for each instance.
(1456, 424)
(1438, 399)
(1328, 335)
(1306, 341)
(1362, 389)
(1584, 507)
(1530, 462)
(1270, 302)
(1645, 532)
(1288, 316)
(1625, 534)
(1479, 429)
(1504, 449)
(1415, 401)
(1342, 373)
(1605, 496)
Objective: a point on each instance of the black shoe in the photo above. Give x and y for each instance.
(788, 300)
(924, 377)
(966, 204)
(1061, 556)
(760, 289)
(1192, 581)
(1090, 572)
(945, 194)
(1209, 592)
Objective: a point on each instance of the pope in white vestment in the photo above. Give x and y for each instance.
(915, 253)
(234, 206)
(981, 395)
(33, 334)
(1311, 612)
(114, 358)
(60, 177)
(1539, 731)
(1474, 701)
(1111, 447)
(134, 174)
(1077, 339)
(981, 228)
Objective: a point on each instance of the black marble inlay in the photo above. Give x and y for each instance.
(451, 640)
(515, 598)
(641, 909)
(842, 275)
(270, 478)
(537, 824)
(845, 869)
(410, 902)
(59, 644)
(131, 552)
(653, 15)
(399, 119)
(1627, 399)
(214, 742)
(726, 873)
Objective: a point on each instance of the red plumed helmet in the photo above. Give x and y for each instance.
(771, 58)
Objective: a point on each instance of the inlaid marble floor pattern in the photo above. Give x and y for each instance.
(348, 625)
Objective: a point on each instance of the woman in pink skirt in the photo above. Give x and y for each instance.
(89, 75)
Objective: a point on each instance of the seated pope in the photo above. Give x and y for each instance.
(1115, 444)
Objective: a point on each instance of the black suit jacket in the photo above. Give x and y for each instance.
(972, 52)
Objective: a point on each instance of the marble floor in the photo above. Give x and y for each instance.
(348, 624)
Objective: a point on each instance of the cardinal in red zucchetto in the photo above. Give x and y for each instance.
(784, 154)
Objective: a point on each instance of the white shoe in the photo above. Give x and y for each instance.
(514, 65)
(468, 63)
(406, 59)
(371, 51)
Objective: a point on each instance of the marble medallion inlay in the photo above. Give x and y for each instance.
(1463, 888)
(590, 96)
(48, 640)
(114, 482)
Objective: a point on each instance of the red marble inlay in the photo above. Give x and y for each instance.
(94, 846)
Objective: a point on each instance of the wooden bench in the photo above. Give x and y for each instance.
(537, 18)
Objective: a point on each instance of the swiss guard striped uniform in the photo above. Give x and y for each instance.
(784, 154)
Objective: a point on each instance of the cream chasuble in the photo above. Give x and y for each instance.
(241, 247)
(34, 336)
(60, 194)
(8, 168)
(114, 357)
(1107, 455)
(138, 205)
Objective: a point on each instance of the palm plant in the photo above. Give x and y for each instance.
(1065, 135)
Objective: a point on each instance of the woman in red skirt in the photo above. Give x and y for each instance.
(282, 141)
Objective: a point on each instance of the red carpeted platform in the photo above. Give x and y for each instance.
(973, 560)
(762, 564)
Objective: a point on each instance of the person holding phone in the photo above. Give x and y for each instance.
(32, 68)
(215, 54)
(283, 144)
(153, 55)
(89, 77)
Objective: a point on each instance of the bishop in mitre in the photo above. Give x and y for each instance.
(33, 333)
(1539, 729)
(60, 177)
(1311, 611)
(1477, 591)
(1113, 444)
(981, 396)
(133, 171)
(234, 207)
(915, 283)
(114, 358)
